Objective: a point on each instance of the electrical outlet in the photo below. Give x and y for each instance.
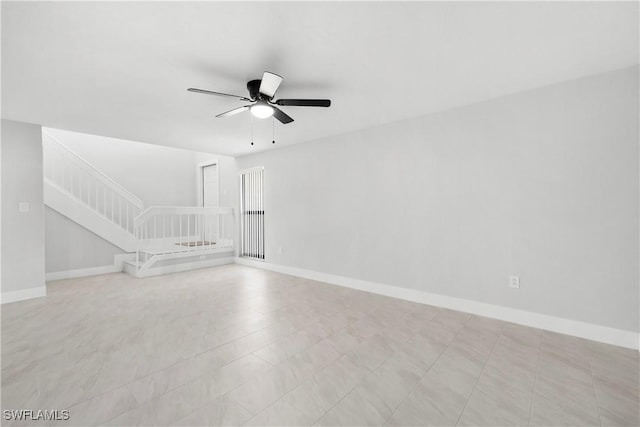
(280, 250)
(514, 282)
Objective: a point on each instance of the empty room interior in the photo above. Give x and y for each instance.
(320, 213)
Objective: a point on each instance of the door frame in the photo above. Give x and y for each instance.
(200, 177)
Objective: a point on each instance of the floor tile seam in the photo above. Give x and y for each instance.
(393, 410)
(289, 391)
(242, 337)
(302, 382)
(535, 381)
(417, 384)
(342, 398)
(297, 352)
(285, 394)
(175, 388)
(236, 402)
(85, 378)
(475, 385)
(169, 389)
(371, 372)
(595, 394)
(264, 360)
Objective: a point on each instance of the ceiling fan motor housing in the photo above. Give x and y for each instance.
(254, 89)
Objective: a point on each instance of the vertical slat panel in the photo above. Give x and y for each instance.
(254, 195)
(252, 223)
(249, 207)
(244, 215)
(262, 214)
(254, 177)
(251, 215)
(261, 240)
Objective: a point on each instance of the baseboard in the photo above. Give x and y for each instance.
(83, 272)
(177, 268)
(13, 296)
(119, 259)
(560, 325)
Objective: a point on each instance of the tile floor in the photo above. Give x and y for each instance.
(234, 345)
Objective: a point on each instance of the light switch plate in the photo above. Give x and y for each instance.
(23, 207)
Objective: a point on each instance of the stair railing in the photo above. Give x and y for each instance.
(75, 176)
(182, 231)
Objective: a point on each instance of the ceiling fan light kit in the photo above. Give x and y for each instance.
(262, 110)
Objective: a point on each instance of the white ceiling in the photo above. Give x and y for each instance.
(121, 69)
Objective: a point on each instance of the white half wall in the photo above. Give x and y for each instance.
(542, 184)
(23, 273)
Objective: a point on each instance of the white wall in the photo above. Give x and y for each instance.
(542, 184)
(158, 175)
(69, 246)
(22, 233)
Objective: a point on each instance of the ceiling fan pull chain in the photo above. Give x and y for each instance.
(273, 130)
(251, 129)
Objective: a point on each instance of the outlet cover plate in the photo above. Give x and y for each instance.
(514, 282)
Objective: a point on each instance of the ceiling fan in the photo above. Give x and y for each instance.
(261, 93)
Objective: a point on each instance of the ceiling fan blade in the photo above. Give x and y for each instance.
(233, 112)
(281, 116)
(270, 83)
(208, 92)
(305, 102)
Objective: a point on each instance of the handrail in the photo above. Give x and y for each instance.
(181, 230)
(96, 172)
(179, 210)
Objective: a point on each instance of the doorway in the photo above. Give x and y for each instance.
(210, 197)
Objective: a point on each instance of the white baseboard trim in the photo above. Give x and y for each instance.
(119, 259)
(118, 265)
(177, 268)
(13, 296)
(83, 272)
(560, 325)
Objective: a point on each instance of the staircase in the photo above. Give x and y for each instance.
(158, 239)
